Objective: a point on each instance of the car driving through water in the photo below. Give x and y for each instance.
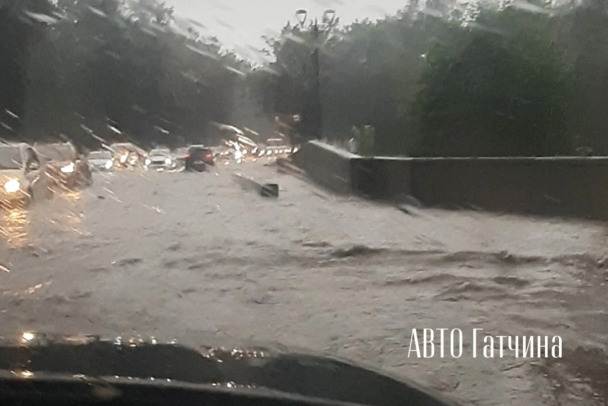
(198, 158)
(101, 160)
(65, 165)
(23, 175)
(159, 160)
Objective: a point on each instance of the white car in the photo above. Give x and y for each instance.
(101, 160)
(23, 175)
(159, 159)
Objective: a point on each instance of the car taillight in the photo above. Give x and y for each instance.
(187, 156)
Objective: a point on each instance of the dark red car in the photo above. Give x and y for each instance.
(198, 157)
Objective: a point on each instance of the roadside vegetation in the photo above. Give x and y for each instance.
(497, 78)
(477, 80)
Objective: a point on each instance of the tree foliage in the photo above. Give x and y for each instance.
(114, 70)
(449, 80)
(504, 92)
(439, 78)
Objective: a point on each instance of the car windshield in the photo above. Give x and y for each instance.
(100, 155)
(160, 152)
(10, 157)
(126, 148)
(56, 152)
(416, 186)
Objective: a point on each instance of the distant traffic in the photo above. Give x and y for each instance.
(36, 172)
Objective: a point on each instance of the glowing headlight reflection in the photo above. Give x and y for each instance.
(12, 186)
(68, 168)
(168, 161)
(148, 162)
(109, 164)
(24, 374)
(27, 336)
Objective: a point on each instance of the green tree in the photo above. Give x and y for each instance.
(505, 92)
(82, 69)
(583, 33)
(22, 25)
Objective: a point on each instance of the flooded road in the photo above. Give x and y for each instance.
(193, 257)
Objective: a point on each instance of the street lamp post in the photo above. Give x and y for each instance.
(313, 113)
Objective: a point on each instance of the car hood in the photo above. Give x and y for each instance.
(59, 164)
(296, 373)
(11, 173)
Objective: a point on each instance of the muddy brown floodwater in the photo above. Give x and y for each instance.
(194, 257)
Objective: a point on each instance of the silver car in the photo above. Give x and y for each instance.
(101, 161)
(159, 160)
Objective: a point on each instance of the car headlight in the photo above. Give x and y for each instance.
(168, 161)
(69, 168)
(148, 162)
(123, 159)
(12, 186)
(109, 164)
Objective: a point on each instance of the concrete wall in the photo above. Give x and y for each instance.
(381, 177)
(328, 166)
(547, 186)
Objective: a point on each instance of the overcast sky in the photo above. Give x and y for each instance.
(239, 24)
